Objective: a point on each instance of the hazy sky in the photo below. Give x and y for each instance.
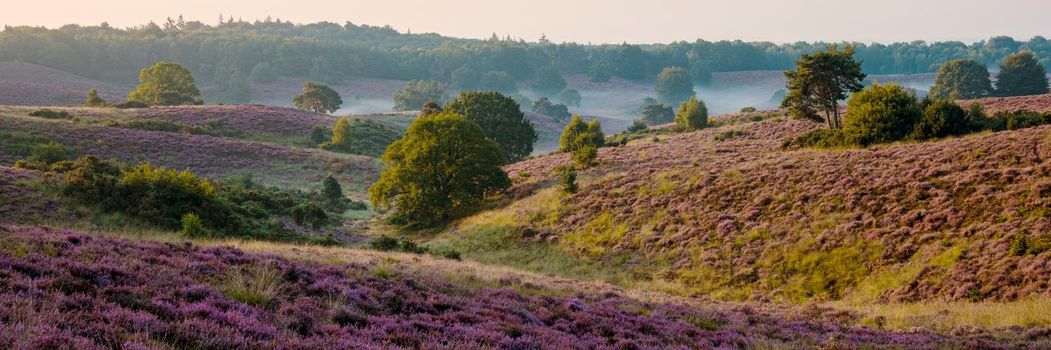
(591, 20)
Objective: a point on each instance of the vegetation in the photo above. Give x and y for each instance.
(820, 81)
(499, 81)
(360, 136)
(557, 112)
(50, 114)
(263, 73)
(500, 118)
(442, 167)
(233, 88)
(941, 118)
(567, 176)
(94, 100)
(166, 84)
(692, 115)
(582, 141)
(880, 113)
(657, 114)
(416, 93)
(1021, 75)
(318, 98)
(961, 79)
(674, 85)
(569, 97)
(548, 81)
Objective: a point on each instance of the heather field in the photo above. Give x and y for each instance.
(69, 289)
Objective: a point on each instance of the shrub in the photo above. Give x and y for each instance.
(318, 98)
(331, 189)
(192, 226)
(131, 104)
(637, 125)
(880, 113)
(569, 97)
(941, 118)
(657, 114)
(150, 124)
(257, 285)
(390, 244)
(320, 135)
(50, 114)
(748, 110)
(361, 136)
(263, 73)
(94, 100)
(820, 138)
(499, 81)
(692, 115)
(557, 112)
(48, 153)
(548, 80)
(567, 179)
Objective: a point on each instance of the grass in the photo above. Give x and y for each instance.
(254, 285)
(944, 316)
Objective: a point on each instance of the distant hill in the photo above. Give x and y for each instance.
(28, 84)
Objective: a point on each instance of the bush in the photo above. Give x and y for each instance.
(880, 113)
(192, 226)
(657, 114)
(941, 118)
(320, 135)
(674, 85)
(748, 110)
(1021, 74)
(569, 97)
(390, 244)
(161, 125)
(48, 153)
(50, 114)
(166, 84)
(637, 125)
(416, 93)
(361, 136)
(567, 179)
(692, 115)
(557, 112)
(820, 138)
(962, 79)
(131, 105)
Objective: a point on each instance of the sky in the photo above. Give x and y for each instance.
(590, 21)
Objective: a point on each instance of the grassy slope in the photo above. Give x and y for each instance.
(740, 219)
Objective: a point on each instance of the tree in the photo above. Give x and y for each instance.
(321, 70)
(548, 80)
(500, 118)
(263, 73)
(94, 100)
(962, 79)
(166, 84)
(443, 165)
(360, 136)
(319, 98)
(498, 81)
(557, 112)
(1021, 75)
(674, 85)
(569, 97)
(880, 113)
(820, 81)
(464, 78)
(941, 118)
(692, 114)
(331, 189)
(416, 93)
(430, 108)
(567, 179)
(657, 114)
(234, 88)
(582, 140)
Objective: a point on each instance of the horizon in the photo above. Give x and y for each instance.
(578, 22)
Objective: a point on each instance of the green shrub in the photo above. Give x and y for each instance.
(637, 125)
(161, 125)
(941, 118)
(361, 136)
(567, 179)
(880, 113)
(320, 135)
(48, 153)
(50, 114)
(820, 138)
(192, 226)
(692, 115)
(131, 105)
(748, 110)
(390, 244)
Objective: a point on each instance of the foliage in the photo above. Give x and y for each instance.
(941, 118)
(263, 73)
(569, 97)
(166, 84)
(50, 114)
(416, 93)
(498, 81)
(361, 136)
(880, 113)
(819, 138)
(131, 104)
(318, 98)
(192, 226)
(500, 118)
(657, 114)
(48, 153)
(233, 87)
(961, 79)
(548, 80)
(151, 124)
(441, 167)
(94, 100)
(820, 81)
(582, 140)
(430, 108)
(464, 78)
(331, 189)
(748, 110)
(320, 135)
(522, 100)
(567, 178)
(1020, 75)
(637, 125)
(557, 112)
(692, 115)
(390, 244)
(674, 85)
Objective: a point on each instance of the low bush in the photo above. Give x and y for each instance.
(131, 105)
(50, 114)
(162, 126)
(567, 179)
(48, 153)
(941, 118)
(390, 244)
(360, 136)
(748, 110)
(820, 138)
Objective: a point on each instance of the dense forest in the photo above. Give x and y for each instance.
(331, 52)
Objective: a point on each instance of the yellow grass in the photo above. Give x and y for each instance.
(944, 316)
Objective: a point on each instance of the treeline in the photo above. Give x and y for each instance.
(331, 52)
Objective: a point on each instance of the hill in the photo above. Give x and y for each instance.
(61, 284)
(32, 85)
(725, 212)
(1035, 103)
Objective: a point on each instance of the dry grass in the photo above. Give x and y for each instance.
(944, 316)
(254, 285)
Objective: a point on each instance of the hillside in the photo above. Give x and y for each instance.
(741, 219)
(32, 85)
(61, 284)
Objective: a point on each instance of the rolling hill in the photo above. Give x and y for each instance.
(28, 84)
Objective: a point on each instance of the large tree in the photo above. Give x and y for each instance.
(548, 81)
(674, 85)
(1021, 75)
(820, 81)
(500, 118)
(961, 79)
(319, 98)
(166, 84)
(416, 93)
(444, 164)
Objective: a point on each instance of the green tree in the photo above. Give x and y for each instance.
(499, 81)
(941, 118)
(557, 112)
(692, 114)
(569, 97)
(500, 118)
(961, 79)
(464, 78)
(263, 73)
(321, 70)
(548, 80)
(657, 114)
(166, 84)
(318, 98)
(567, 178)
(880, 113)
(430, 108)
(94, 100)
(235, 88)
(416, 93)
(674, 85)
(1021, 75)
(820, 81)
(331, 189)
(582, 140)
(361, 136)
(443, 166)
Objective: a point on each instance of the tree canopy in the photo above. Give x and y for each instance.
(442, 166)
(361, 136)
(674, 85)
(500, 118)
(319, 98)
(820, 81)
(961, 79)
(569, 97)
(1021, 75)
(416, 93)
(880, 113)
(558, 112)
(657, 114)
(692, 114)
(166, 84)
(548, 81)
(582, 140)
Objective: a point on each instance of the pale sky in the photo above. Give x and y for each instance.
(596, 21)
